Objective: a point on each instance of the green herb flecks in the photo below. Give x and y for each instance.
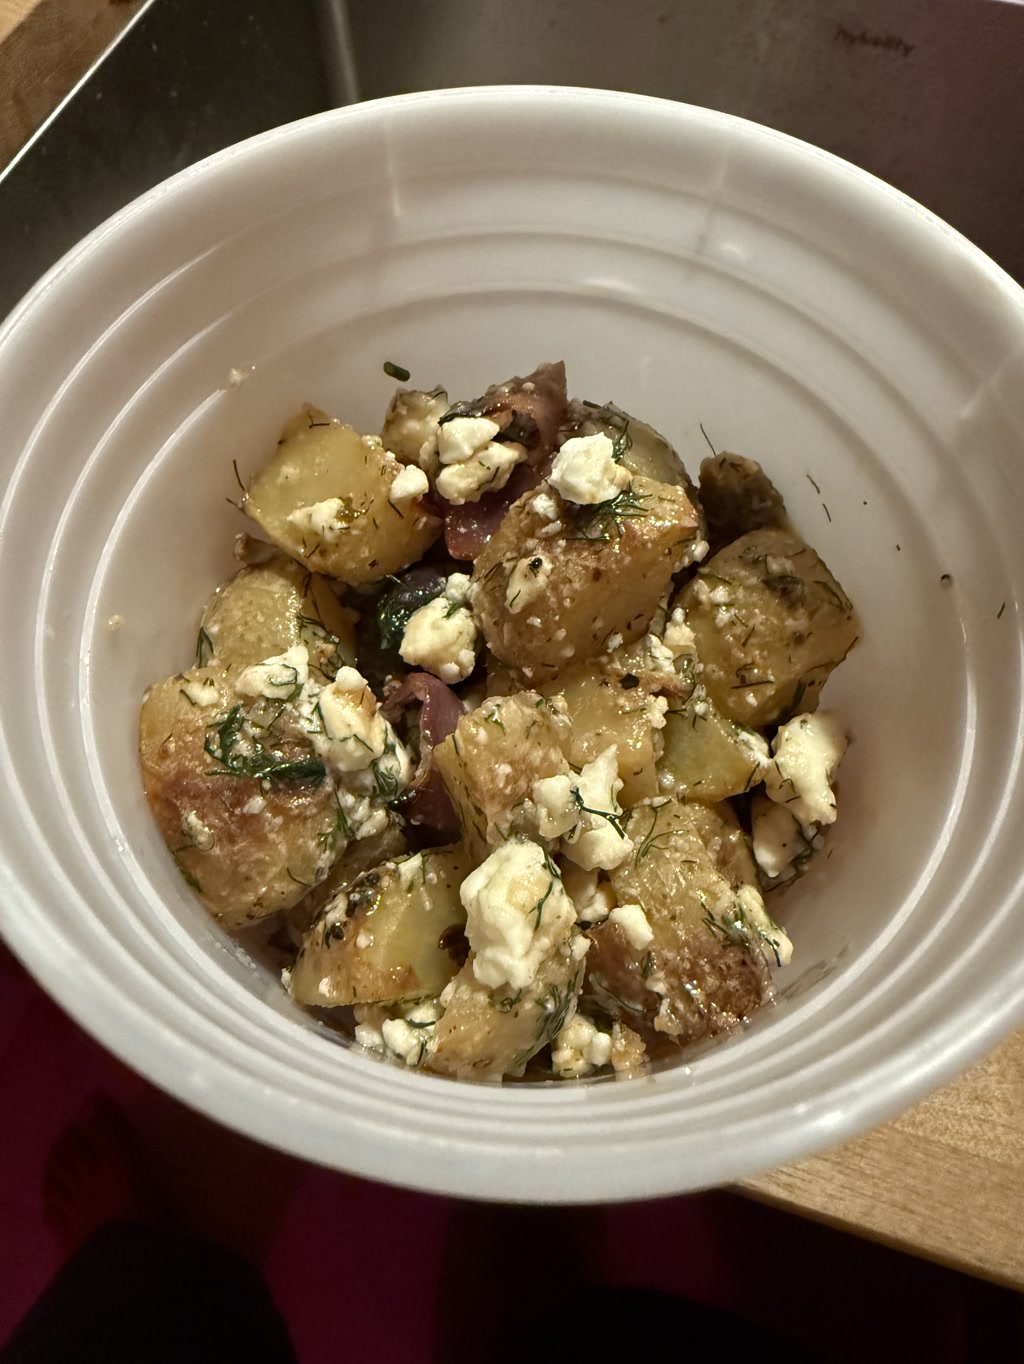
(239, 754)
(204, 649)
(605, 521)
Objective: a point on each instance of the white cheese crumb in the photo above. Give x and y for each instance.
(353, 732)
(442, 637)
(280, 678)
(409, 482)
(528, 580)
(596, 840)
(327, 520)
(204, 693)
(776, 946)
(114, 623)
(463, 437)
(472, 461)
(633, 922)
(594, 899)
(197, 833)
(556, 805)
(545, 505)
(807, 752)
(517, 914)
(585, 470)
(238, 376)
(678, 637)
(580, 1047)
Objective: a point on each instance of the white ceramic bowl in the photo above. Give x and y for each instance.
(693, 267)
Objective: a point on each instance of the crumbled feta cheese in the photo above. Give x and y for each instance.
(596, 840)
(778, 837)
(353, 732)
(255, 805)
(528, 580)
(594, 899)
(657, 709)
(473, 462)
(807, 751)
(633, 922)
(442, 636)
(585, 470)
(580, 1047)
(327, 520)
(405, 1040)
(545, 505)
(557, 808)
(463, 437)
(456, 588)
(201, 693)
(517, 914)
(280, 678)
(238, 376)
(115, 622)
(613, 642)
(198, 834)
(409, 482)
(678, 637)
(773, 942)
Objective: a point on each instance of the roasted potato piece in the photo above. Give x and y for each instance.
(485, 1034)
(770, 623)
(358, 857)
(643, 450)
(324, 498)
(548, 593)
(604, 710)
(706, 756)
(411, 424)
(703, 971)
(248, 845)
(267, 609)
(738, 496)
(393, 935)
(490, 763)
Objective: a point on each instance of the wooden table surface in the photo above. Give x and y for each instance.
(947, 1179)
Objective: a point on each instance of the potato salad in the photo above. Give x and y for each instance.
(503, 730)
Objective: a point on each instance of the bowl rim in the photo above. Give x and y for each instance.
(114, 1024)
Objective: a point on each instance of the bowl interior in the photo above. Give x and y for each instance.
(700, 272)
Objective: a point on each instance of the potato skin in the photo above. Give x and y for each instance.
(247, 847)
(382, 940)
(608, 573)
(490, 762)
(692, 981)
(770, 622)
(318, 460)
(485, 1034)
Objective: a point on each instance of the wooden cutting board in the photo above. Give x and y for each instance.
(46, 46)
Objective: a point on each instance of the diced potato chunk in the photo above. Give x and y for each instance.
(594, 573)
(706, 756)
(485, 1034)
(702, 973)
(394, 935)
(247, 846)
(603, 711)
(493, 758)
(269, 608)
(770, 623)
(324, 498)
